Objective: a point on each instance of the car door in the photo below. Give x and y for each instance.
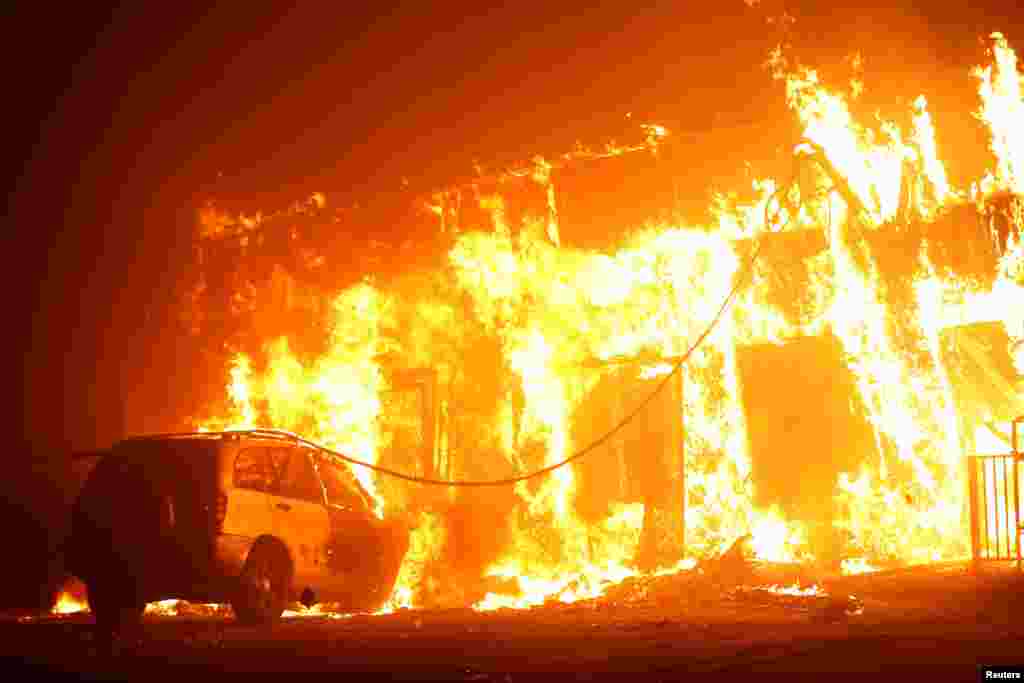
(249, 513)
(300, 517)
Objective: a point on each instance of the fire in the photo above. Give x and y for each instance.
(424, 547)
(616, 540)
(561, 318)
(336, 400)
(1003, 109)
(69, 604)
(72, 600)
(239, 391)
(795, 590)
(547, 414)
(773, 540)
(924, 140)
(165, 608)
(856, 565)
(175, 608)
(314, 611)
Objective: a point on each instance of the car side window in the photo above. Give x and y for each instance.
(341, 487)
(299, 479)
(252, 470)
(278, 459)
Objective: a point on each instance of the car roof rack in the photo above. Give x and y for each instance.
(228, 433)
(283, 433)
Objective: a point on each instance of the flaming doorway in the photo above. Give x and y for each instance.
(806, 424)
(642, 464)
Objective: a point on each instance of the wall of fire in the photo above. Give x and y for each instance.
(452, 407)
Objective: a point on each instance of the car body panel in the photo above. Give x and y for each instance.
(305, 530)
(364, 556)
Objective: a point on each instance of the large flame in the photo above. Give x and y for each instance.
(1003, 109)
(553, 310)
(335, 400)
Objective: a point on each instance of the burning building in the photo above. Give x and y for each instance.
(872, 337)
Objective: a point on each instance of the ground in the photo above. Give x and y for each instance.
(935, 624)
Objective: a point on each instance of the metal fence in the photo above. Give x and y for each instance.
(995, 498)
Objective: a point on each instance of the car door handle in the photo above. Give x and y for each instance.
(284, 506)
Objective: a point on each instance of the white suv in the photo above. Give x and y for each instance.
(255, 518)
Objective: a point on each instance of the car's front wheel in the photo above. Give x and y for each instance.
(262, 591)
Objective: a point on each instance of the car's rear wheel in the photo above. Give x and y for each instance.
(262, 592)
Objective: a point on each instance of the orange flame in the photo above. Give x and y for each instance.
(551, 308)
(69, 604)
(1003, 110)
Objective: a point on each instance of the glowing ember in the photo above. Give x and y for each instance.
(165, 608)
(320, 611)
(795, 590)
(682, 565)
(856, 565)
(176, 608)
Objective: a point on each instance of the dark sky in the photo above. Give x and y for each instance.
(125, 117)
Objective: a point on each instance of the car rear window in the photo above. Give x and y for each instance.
(163, 461)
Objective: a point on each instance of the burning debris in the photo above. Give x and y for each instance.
(525, 349)
(178, 608)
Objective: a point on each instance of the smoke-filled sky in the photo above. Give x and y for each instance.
(125, 117)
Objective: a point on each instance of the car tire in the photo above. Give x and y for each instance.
(262, 591)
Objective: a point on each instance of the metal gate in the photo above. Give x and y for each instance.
(995, 498)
